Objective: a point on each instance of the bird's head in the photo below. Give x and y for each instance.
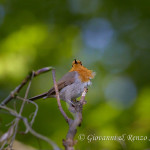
(76, 63)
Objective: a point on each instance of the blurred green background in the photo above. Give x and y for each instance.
(110, 37)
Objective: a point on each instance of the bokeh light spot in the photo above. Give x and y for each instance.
(120, 92)
(97, 33)
(2, 14)
(83, 6)
(116, 57)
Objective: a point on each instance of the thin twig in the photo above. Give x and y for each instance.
(10, 123)
(73, 124)
(35, 113)
(55, 147)
(2, 147)
(26, 94)
(25, 120)
(11, 111)
(58, 98)
(18, 116)
(21, 110)
(19, 87)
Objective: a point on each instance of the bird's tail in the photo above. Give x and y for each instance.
(38, 96)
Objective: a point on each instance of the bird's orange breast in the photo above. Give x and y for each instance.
(84, 74)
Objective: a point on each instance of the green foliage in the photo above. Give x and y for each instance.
(110, 37)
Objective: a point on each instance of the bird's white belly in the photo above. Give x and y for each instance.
(73, 91)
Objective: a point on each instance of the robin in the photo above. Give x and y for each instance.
(72, 84)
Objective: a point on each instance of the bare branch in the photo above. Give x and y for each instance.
(11, 111)
(73, 124)
(2, 147)
(19, 87)
(35, 113)
(58, 98)
(12, 131)
(69, 142)
(25, 120)
(21, 110)
(26, 94)
(55, 147)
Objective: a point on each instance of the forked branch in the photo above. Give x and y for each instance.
(69, 142)
(73, 124)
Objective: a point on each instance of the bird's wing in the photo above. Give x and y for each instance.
(66, 80)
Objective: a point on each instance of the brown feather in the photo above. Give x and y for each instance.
(66, 80)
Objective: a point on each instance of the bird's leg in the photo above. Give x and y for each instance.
(71, 103)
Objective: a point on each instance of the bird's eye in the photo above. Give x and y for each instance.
(80, 62)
